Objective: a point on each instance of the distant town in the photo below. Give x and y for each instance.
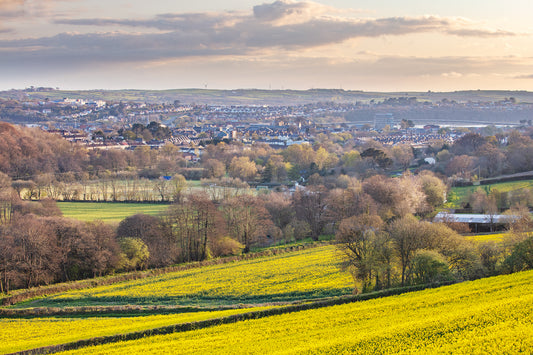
(101, 124)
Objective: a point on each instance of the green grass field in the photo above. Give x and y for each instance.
(306, 274)
(459, 195)
(487, 316)
(107, 211)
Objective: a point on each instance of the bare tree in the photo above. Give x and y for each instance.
(37, 261)
(367, 250)
(192, 224)
(408, 235)
(161, 245)
(247, 219)
(310, 205)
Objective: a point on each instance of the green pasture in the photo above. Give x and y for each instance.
(459, 195)
(108, 211)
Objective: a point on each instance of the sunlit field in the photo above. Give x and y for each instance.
(486, 316)
(27, 333)
(306, 274)
(495, 237)
(459, 195)
(107, 211)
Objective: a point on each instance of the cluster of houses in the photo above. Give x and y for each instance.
(195, 125)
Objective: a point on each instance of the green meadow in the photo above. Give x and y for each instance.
(459, 195)
(108, 211)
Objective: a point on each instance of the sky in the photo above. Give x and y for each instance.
(370, 45)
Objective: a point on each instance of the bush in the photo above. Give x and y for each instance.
(521, 258)
(300, 229)
(428, 266)
(225, 246)
(134, 254)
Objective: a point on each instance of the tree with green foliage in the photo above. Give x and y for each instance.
(521, 257)
(433, 188)
(243, 168)
(134, 255)
(428, 266)
(378, 157)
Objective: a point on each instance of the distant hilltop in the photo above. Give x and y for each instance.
(262, 97)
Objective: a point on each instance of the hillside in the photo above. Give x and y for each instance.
(458, 196)
(485, 316)
(198, 308)
(306, 274)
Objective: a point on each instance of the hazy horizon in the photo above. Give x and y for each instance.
(381, 46)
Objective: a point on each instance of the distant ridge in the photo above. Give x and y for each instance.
(263, 97)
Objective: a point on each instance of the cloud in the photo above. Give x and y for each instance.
(452, 74)
(11, 8)
(281, 25)
(471, 32)
(524, 76)
(285, 12)
(164, 22)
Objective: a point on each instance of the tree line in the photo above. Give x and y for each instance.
(30, 154)
(39, 246)
(378, 224)
(45, 165)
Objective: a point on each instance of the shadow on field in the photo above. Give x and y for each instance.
(192, 300)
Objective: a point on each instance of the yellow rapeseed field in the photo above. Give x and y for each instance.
(487, 316)
(17, 334)
(306, 274)
(495, 237)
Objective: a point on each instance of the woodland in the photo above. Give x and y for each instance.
(374, 202)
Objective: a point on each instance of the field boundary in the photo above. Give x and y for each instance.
(118, 310)
(25, 295)
(184, 327)
(523, 176)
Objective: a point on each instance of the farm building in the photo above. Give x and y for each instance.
(477, 222)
